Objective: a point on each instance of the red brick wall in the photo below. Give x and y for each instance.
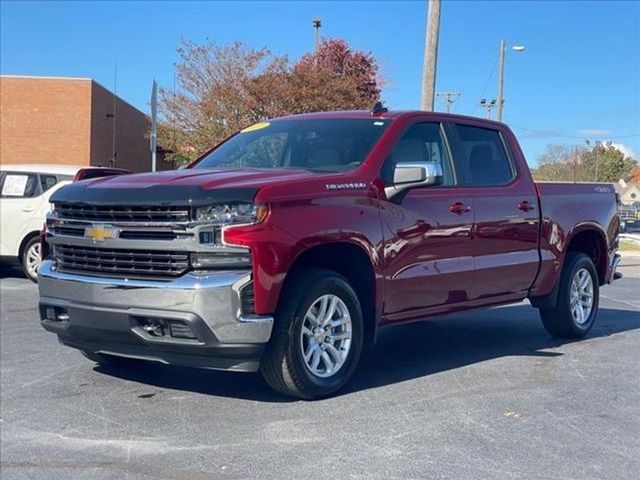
(44, 120)
(132, 144)
(58, 120)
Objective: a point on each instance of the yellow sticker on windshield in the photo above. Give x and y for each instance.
(255, 126)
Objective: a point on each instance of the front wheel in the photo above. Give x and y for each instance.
(317, 338)
(31, 259)
(578, 299)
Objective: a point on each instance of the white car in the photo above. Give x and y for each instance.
(24, 202)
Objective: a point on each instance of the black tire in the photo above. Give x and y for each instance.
(24, 258)
(110, 360)
(559, 321)
(283, 366)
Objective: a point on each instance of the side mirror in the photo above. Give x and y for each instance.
(414, 174)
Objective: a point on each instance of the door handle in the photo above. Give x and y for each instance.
(525, 206)
(459, 208)
(28, 209)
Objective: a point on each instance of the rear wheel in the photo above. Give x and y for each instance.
(578, 299)
(31, 258)
(317, 338)
(111, 360)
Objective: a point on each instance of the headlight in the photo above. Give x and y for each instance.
(228, 214)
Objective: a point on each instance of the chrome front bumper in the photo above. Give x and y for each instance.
(103, 315)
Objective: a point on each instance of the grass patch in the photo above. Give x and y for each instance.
(629, 246)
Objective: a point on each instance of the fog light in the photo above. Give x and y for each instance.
(54, 314)
(153, 326)
(50, 313)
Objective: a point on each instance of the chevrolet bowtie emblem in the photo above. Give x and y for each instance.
(99, 233)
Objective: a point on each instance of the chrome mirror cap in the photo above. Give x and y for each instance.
(409, 175)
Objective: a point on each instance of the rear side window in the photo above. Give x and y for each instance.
(47, 181)
(482, 157)
(19, 185)
(422, 142)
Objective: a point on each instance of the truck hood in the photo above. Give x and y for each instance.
(188, 186)
(205, 178)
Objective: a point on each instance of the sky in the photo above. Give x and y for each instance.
(578, 77)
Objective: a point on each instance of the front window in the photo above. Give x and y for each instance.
(326, 145)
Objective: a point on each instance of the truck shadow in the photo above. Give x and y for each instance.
(11, 269)
(403, 352)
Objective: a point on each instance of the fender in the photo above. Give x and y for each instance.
(549, 300)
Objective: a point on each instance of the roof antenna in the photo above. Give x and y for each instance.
(378, 108)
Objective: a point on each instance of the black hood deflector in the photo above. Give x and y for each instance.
(157, 195)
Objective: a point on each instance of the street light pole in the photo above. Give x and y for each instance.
(317, 23)
(500, 99)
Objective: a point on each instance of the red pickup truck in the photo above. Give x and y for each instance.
(287, 247)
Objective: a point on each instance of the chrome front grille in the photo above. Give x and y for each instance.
(120, 262)
(119, 213)
(131, 232)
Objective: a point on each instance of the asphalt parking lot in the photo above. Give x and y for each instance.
(480, 395)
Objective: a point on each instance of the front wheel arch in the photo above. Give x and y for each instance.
(351, 261)
(31, 239)
(27, 238)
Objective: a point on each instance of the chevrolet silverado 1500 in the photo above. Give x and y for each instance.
(288, 246)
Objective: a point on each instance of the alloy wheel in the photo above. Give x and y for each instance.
(325, 338)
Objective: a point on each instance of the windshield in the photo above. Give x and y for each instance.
(326, 145)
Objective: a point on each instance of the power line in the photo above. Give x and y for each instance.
(486, 85)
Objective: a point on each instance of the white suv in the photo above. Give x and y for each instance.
(24, 203)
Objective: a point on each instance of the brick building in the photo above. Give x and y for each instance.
(70, 121)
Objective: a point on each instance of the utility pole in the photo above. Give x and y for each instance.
(449, 98)
(430, 56)
(503, 50)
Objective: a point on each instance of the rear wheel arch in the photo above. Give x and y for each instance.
(592, 242)
(350, 261)
(589, 240)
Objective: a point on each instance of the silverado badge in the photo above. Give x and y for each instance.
(99, 232)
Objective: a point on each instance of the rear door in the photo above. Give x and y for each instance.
(427, 251)
(505, 235)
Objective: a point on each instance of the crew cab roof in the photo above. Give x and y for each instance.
(389, 115)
